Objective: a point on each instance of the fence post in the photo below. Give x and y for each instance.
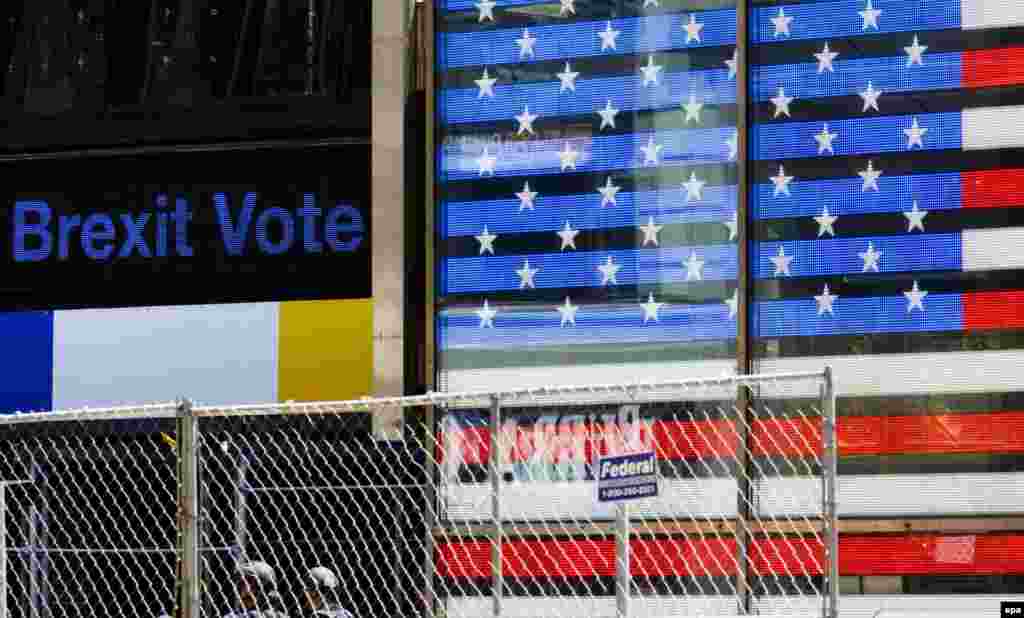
(188, 510)
(241, 506)
(830, 471)
(622, 581)
(497, 579)
(745, 497)
(432, 506)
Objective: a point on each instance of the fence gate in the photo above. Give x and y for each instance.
(486, 507)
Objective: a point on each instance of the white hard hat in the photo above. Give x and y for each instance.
(323, 577)
(260, 570)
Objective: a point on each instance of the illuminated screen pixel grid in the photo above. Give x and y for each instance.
(584, 211)
(585, 172)
(886, 146)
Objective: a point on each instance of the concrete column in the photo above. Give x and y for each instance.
(390, 41)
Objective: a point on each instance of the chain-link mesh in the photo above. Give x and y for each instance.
(303, 491)
(740, 495)
(299, 505)
(88, 516)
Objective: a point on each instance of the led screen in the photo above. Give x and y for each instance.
(185, 228)
(886, 176)
(886, 172)
(233, 276)
(587, 199)
(586, 190)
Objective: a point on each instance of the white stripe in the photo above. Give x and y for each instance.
(891, 495)
(987, 128)
(850, 606)
(907, 374)
(504, 378)
(893, 606)
(896, 495)
(213, 354)
(593, 607)
(992, 249)
(578, 501)
(975, 14)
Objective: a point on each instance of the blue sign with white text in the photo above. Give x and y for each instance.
(627, 477)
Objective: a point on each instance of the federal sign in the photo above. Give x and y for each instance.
(627, 477)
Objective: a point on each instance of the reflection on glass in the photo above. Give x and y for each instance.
(115, 64)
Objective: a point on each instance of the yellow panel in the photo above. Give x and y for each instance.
(326, 350)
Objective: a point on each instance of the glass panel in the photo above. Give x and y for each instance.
(103, 72)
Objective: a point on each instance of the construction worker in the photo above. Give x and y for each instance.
(322, 595)
(257, 592)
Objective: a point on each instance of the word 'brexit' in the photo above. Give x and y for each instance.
(39, 235)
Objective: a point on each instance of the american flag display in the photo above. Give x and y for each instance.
(587, 212)
(887, 171)
(587, 196)
(886, 176)
(587, 200)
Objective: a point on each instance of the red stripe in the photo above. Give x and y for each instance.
(684, 439)
(671, 439)
(796, 437)
(919, 554)
(993, 310)
(932, 554)
(992, 67)
(682, 556)
(1001, 188)
(990, 432)
(582, 558)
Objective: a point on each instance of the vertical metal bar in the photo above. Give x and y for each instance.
(38, 537)
(241, 507)
(431, 509)
(623, 584)
(744, 279)
(744, 499)
(188, 510)
(830, 470)
(430, 242)
(744, 289)
(497, 578)
(39, 589)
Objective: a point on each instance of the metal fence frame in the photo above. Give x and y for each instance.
(187, 417)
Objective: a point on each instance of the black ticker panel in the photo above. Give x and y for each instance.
(92, 73)
(185, 228)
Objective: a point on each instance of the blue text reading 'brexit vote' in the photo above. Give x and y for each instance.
(164, 231)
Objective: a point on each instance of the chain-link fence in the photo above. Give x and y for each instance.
(88, 515)
(486, 507)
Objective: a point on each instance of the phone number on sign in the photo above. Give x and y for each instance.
(629, 492)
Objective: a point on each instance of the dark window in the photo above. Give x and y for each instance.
(83, 73)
